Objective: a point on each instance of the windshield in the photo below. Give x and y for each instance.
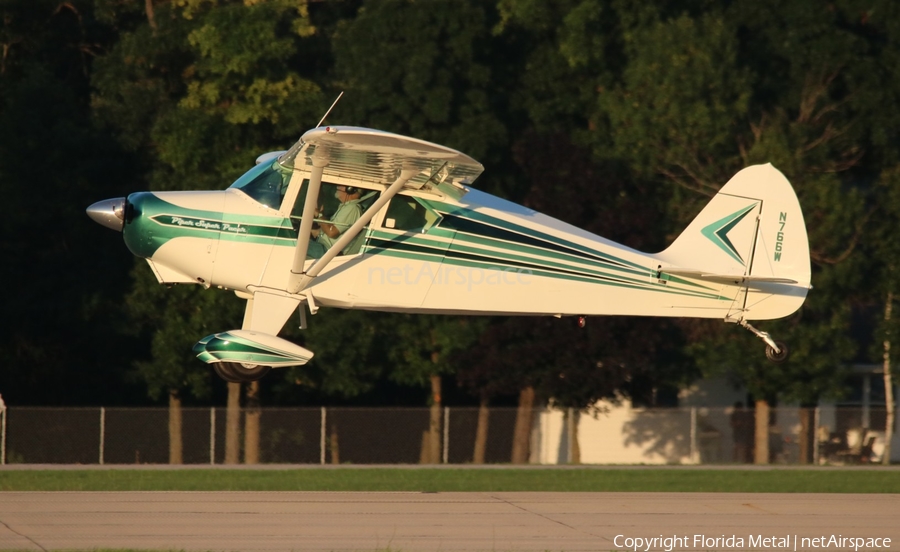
(266, 183)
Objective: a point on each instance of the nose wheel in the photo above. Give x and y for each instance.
(776, 351)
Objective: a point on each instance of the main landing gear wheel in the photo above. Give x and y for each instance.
(225, 373)
(777, 356)
(235, 372)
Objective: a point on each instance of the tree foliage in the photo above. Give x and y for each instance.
(620, 118)
(200, 89)
(62, 284)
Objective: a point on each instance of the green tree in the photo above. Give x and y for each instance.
(438, 73)
(427, 353)
(881, 268)
(349, 348)
(201, 88)
(879, 23)
(686, 93)
(53, 163)
(808, 121)
(174, 318)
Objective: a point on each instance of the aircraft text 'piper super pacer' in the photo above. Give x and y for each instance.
(364, 219)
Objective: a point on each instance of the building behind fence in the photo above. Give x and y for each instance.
(621, 435)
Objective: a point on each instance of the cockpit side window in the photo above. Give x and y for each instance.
(338, 206)
(265, 183)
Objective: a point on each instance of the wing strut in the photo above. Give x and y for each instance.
(309, 212)
(300, 280)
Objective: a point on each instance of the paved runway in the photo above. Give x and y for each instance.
(411, 522)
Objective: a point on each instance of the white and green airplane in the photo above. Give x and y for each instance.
(358, 218)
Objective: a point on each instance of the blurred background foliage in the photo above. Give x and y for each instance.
(622, 118)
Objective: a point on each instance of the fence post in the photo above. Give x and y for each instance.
(322, 439)
(102, 432)
(695, 456)
(446, 434)
(212, 435)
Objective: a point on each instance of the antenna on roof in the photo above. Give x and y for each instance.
(329, 109)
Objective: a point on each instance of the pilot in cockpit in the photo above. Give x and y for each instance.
(346, 214)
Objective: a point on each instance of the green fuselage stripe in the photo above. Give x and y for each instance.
(465, 245)
(424, 253)
(521, 232)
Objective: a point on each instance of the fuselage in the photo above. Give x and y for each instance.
(358, 218)
(426, 251)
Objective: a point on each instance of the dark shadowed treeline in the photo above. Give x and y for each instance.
(622, 118)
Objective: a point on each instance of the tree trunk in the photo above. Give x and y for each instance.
(151, 18)
(251, 424)
(573, 416)
(888, 384)
(522, 433)
(333, 445)
(233, 424)
(434, 425)
(481, 431)
(761, 450)
(175, 439)
(807, 437)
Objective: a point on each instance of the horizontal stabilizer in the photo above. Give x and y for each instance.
(726, 278)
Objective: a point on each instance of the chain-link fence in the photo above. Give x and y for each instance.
(822, 435)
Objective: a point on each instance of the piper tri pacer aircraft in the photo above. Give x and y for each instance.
(363, 219)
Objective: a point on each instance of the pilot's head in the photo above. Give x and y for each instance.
(347, 193)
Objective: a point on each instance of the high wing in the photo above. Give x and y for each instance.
(377, 156)
(374, 156)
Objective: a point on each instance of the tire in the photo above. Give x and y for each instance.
(777, 358)
(224, 372)
(239, 373)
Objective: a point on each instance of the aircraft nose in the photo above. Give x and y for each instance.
(109, 213)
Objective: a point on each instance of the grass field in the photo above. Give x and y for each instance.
(811, 480)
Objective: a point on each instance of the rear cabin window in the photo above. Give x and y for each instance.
(406, 214)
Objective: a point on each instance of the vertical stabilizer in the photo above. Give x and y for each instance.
(751, 235)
